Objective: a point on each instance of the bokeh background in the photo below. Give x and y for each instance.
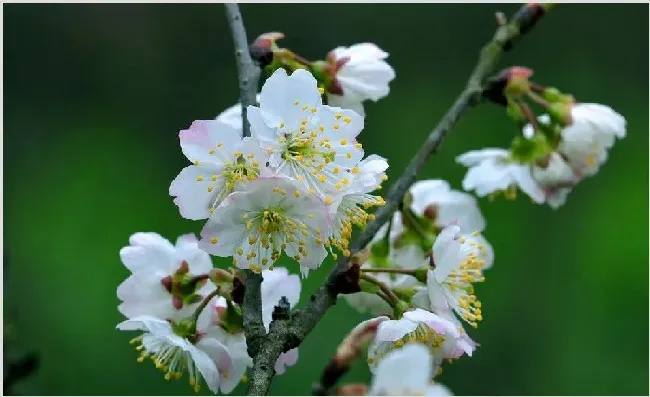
(94, 96)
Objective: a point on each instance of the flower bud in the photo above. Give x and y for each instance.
(219, 276)
(553, 95)
(353, 389)
(511, 82)
(518, 83)
(263, 48)
(431, 212)
(560, 112)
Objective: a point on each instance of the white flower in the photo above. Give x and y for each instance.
(307, 141)
(269, 216)
(451, 206)
(360, 73)
(492, 170)
(222, 161)
(354, 198)
(440, 335)
(406, 372)
(592, 131)
(422, 299)
(557, 179)
(158, 268)
(204, 357)
(459, 261)
(278, 283)
(233, 116)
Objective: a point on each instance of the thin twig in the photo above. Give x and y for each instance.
(256, 337)
(286, 334)
(527, 16)
(409, 272)
(249, 73)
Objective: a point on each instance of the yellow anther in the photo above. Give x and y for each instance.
(338, 116)
(296, 102)
(214, 240)
(347, 120)
(355, 170)
(212, 151)
(240, 251)
(199, 178)
(321, 90)
(321, 178)
(328, 201)
(313, 110)
(296, 193)
(348, 155)
(336, 126)
(210, 189)
(282, 124)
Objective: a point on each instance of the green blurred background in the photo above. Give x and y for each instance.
(95, 96)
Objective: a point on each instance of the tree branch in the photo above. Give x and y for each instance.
(503, 39)
(255, 332)
(287, 332)
(249, 73)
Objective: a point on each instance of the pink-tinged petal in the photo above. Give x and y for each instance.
(433, 321)
(286, 360)
(392, 330)
(203, 136)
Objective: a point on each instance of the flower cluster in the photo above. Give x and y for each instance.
(422, 266)
(554, 152)
(297, 186)
(174, 298)
(294, 191)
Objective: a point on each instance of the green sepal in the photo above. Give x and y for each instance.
(233, 319)
(526, 151)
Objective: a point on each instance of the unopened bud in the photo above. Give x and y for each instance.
(560, 112)
(353, 389)
(553, 95)
(167, 283)
(177, 302)
(400, 308)
(431, 212)
(219, 276)
(184, 268)
(263, 47)
(518, 83)
(507, 83)
(422, 274)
